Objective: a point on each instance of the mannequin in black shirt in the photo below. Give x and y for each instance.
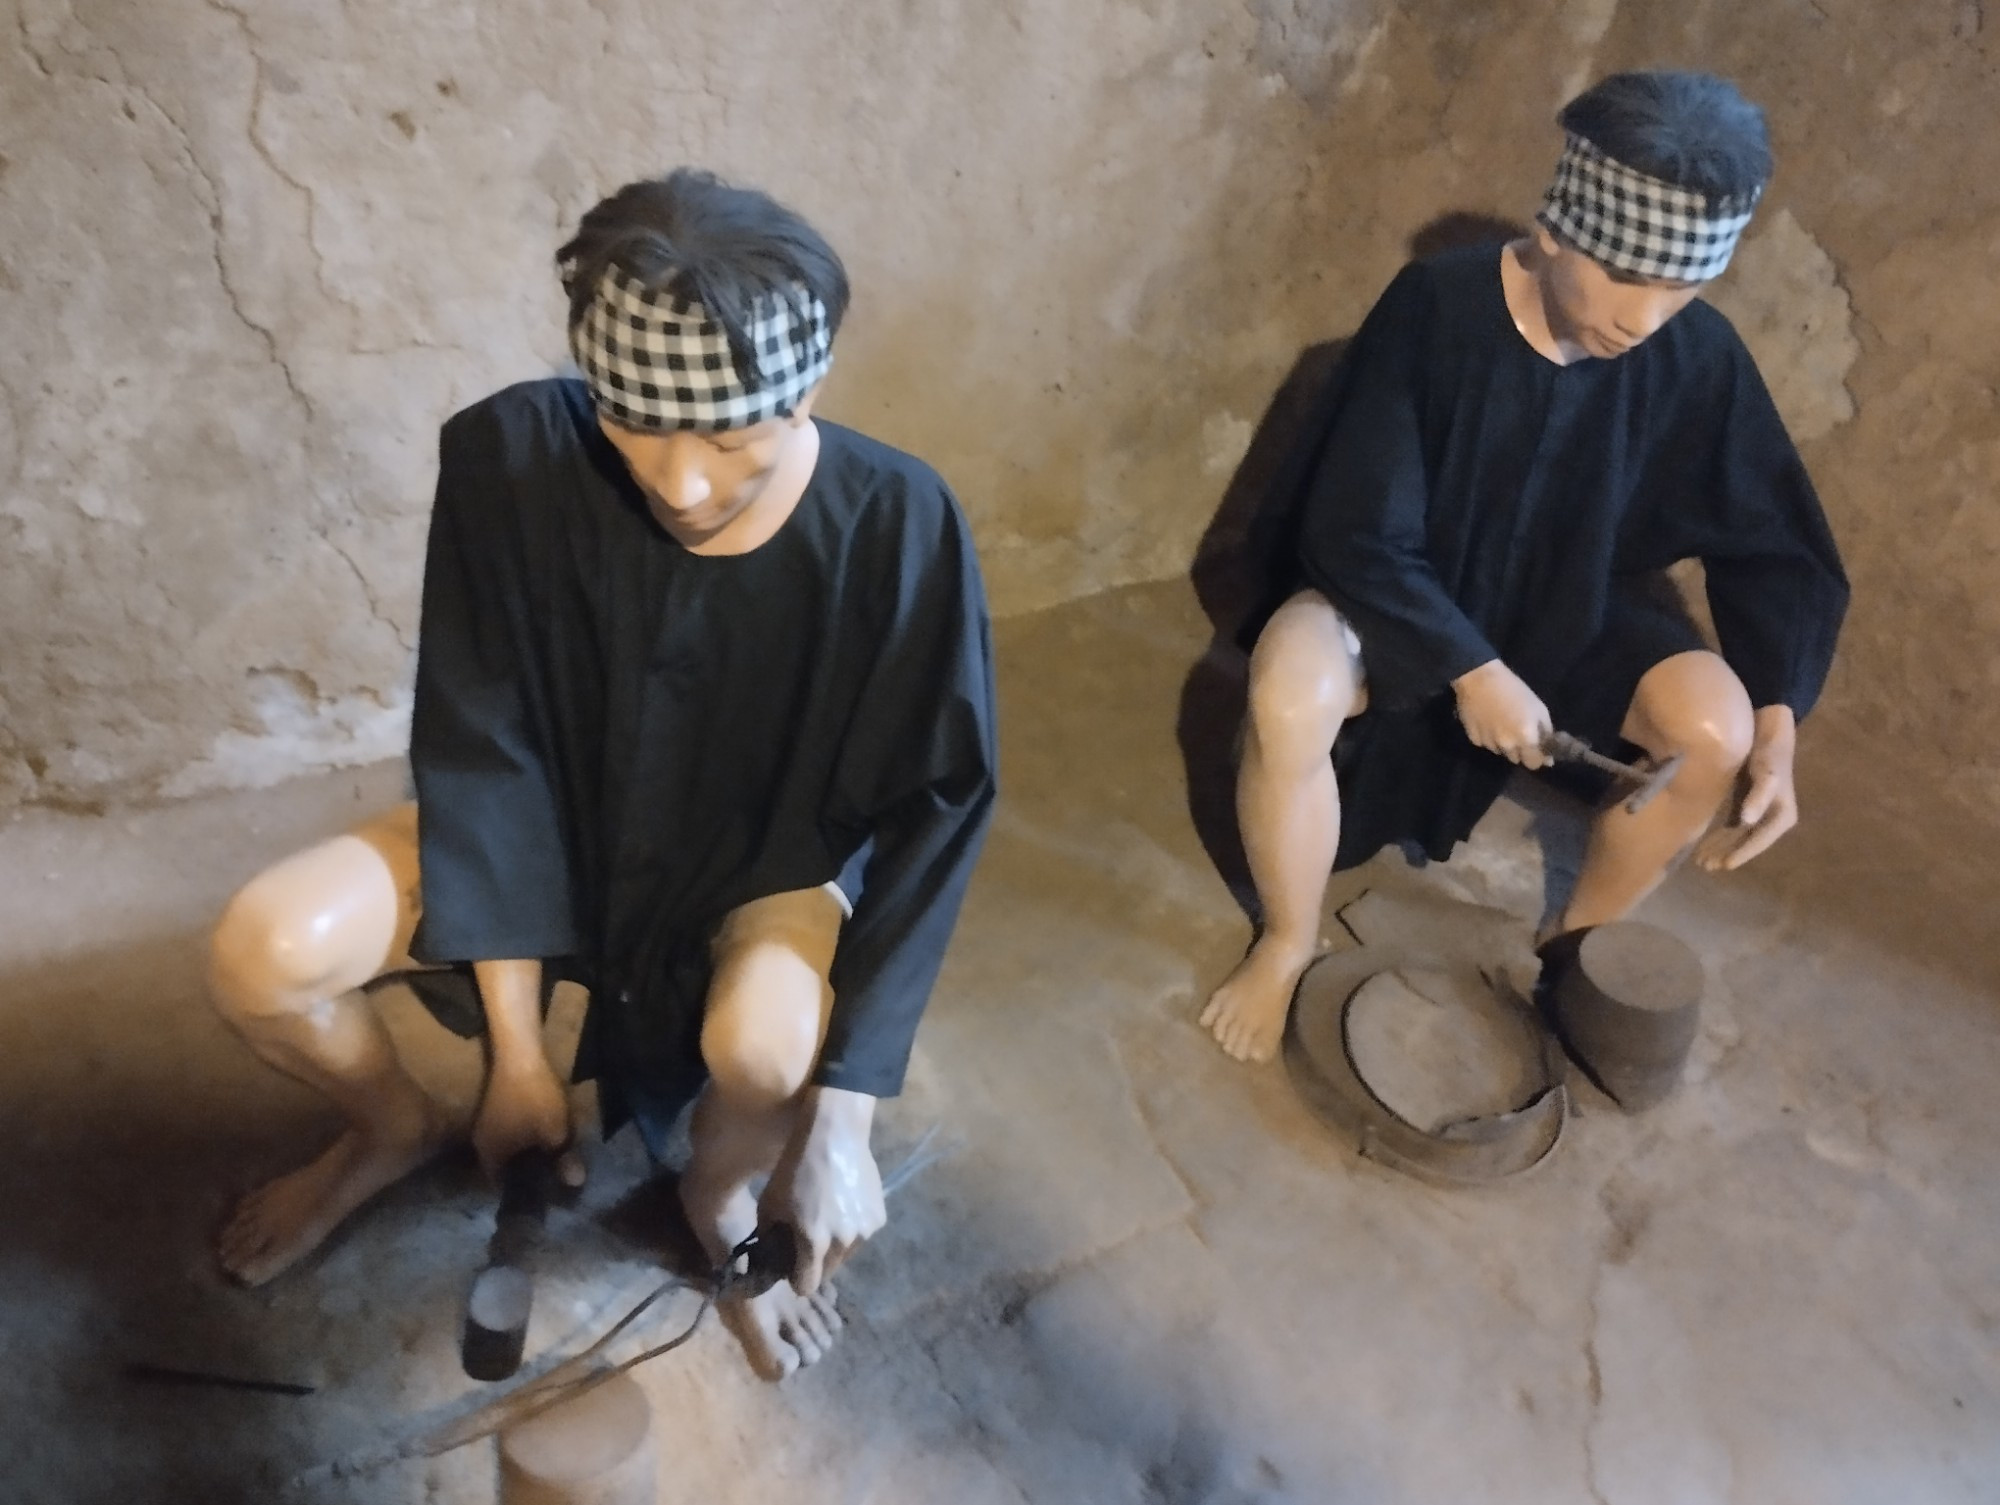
(703, 721)
(1522, 439)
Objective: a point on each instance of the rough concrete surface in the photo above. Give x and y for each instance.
(1141, 1273)
(251, 255)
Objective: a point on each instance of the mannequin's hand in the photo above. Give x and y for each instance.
(523, 1108)
(1768, 806)
(826, 1185)
(1501, 714)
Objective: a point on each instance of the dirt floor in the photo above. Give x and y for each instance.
(1141, 1272)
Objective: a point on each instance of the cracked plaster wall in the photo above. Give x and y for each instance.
(251, 255)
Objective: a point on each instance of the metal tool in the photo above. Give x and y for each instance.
(567, 1378)
(771, 1253)
(167, 1374)
(760, 1262)
(503, 1293)
(1650, 777)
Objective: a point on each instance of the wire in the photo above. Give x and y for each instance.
(575, 1376)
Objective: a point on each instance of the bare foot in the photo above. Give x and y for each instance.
(284, 1220)
(1247, 1013)
(781, 1331)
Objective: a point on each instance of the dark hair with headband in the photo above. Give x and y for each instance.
(693, 235)
(1692, 130)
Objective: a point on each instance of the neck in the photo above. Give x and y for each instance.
(1524, 279)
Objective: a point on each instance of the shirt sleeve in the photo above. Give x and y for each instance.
(1776, 588)
(917, 774)
(495, 876)
(1363, 539)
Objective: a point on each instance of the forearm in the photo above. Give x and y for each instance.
(510, 992)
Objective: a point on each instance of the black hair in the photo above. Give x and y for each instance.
(1693, 130)
(698, 237)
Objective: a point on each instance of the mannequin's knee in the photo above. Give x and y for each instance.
(259, 958)
(761, 1033)
(1698, 708)
(270, 955)
(1299, 696)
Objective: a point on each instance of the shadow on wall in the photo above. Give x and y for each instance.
(1244, 567)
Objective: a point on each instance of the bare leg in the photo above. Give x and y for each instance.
(284, 958)
(1305, 680)
(1691, 704)
(766, 1020)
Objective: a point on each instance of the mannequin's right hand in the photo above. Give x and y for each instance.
(1501, 714)
(523, 1108)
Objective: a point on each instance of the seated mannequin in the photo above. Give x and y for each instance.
(1524, 438)
(703, 721)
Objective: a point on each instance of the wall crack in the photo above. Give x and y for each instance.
(253, 132)
(27, 43)
(375, 606)
(208, 193)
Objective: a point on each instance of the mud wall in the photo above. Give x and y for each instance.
(250, 257)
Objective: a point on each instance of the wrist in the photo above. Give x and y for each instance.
(835, 1109)
(1477, 674)
(1776, 728)
(520, 1060)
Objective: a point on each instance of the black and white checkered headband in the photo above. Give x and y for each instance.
(657, 360)
(1622, 218)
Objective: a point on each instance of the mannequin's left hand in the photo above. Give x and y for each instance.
(826, 1184)
(1768, 805)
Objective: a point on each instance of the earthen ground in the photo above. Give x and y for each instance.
(1142, 1273)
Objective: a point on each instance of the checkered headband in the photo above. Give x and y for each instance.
(1622, 218)
(656, 360)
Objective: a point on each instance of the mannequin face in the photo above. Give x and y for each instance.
(1601, 311)
(697, 481)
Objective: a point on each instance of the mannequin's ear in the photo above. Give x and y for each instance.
(803, 411)
(1546, 241)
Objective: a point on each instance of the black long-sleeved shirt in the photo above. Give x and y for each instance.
(1473, 500)
(617, 741)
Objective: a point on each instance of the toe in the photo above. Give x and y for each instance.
(829, 1312)
(802, 1340)
(239, 1241)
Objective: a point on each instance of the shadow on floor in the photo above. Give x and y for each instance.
(119, 1151)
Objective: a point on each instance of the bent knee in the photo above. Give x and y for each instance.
(764, 1055)
(762, 1030)
(1694, 705)
(284, 941)
(1301, 710)
(1303, 685)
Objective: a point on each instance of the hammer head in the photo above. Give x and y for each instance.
(1658, 776)
(496, 1323)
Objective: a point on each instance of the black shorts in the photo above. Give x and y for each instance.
(451, 993)
(1408, 776)
(1645, 623)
